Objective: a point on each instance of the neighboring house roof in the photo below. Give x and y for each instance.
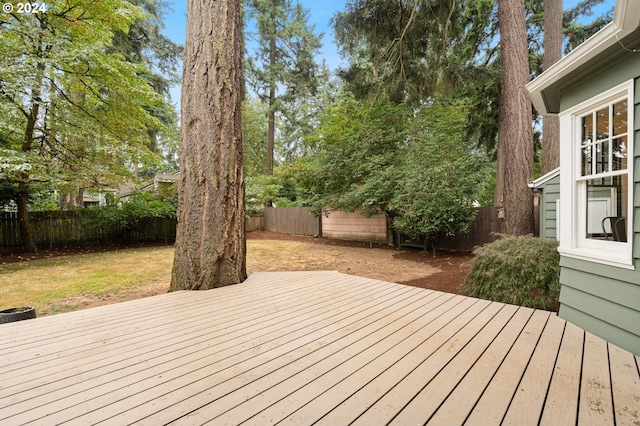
(131, 188)
(544, 179)
(603, 46)
(168, 177)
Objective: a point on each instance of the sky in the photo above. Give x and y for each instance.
(320, 12)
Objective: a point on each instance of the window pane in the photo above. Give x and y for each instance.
(602, 157)
(602, 124)
(620, 118)
(587, 129)
(586, 160)
(606, 208)
(620, 153)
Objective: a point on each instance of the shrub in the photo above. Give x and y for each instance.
(114, 221)
(517, 270)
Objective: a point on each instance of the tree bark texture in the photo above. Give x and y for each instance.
(515, 133)
(271, 135)
(552, 54)
(210, 243)
(28, 243)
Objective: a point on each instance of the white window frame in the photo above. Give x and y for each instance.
(573, 242)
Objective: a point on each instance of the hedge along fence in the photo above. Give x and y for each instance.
(82, 227)
(57, 228)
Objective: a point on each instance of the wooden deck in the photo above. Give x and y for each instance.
(312, 347)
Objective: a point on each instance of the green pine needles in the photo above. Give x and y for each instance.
(522, 271)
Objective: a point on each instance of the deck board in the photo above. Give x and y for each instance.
(596, 404)
(312, 347)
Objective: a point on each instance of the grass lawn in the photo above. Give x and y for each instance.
(67, 283)
(79, 281)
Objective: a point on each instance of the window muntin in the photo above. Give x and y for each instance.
(603, 179)
(604, 139)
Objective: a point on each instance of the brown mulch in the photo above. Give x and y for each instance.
(453, 266)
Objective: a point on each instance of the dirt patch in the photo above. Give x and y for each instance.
(445, 272)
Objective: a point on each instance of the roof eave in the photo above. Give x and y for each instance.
(624, 22)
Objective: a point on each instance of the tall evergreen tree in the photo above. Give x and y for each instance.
(283, 71)
(515, 134)
(552, 54)
(210, 241)
(412, 51)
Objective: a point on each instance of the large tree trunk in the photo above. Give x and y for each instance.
(210, 243)
(272, 100)
(552, 54)
(515, 134)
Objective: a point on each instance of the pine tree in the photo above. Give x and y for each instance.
(283, 71)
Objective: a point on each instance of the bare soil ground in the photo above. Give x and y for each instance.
(268, 251)
(445, 272)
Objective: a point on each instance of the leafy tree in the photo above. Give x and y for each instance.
(283, 71)
(355, 168)
(413, 51)
(77, 114)
(439, 176)
(145, 44)
(414, 165)
(254, 132)
(210, 240)
(261, 190)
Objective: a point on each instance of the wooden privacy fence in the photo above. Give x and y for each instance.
(353, 226)
(81, 227)
(291, 220)
(483, 230)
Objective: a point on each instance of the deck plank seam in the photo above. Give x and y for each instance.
(524, 371)
(188, 300)
(477, 359)
(397, 361)
(432, 352)
(335, 367)
(328, 343)
(187, 296)
(153, 327)
(408, 290)
(293, 314)
(555, 363)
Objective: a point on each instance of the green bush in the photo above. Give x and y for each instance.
(116, 220)
(522, 271)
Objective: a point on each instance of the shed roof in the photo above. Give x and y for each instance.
(601, 48)
(544, 178)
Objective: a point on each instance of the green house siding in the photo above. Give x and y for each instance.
(602, 299)
(548, 213)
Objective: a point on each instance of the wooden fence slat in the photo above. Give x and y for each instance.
(291, 220)
(77, 227)
(298, 220)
